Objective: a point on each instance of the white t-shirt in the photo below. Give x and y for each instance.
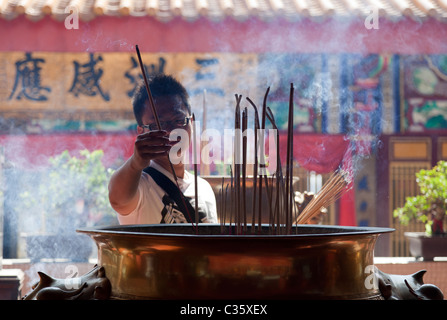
(155, 206)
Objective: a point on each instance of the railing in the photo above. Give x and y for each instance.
(402, 184)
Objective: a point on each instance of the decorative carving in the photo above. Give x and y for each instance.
(407, 287)
(92, 286)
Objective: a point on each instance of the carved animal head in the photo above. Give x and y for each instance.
(92, 286)
(407, 287)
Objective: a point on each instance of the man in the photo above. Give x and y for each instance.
(139, 191)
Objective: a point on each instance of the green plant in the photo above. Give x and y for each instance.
(430, 205)
(71, 193)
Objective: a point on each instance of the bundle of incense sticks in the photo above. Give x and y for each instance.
(282, 209)
(279, 191)
(337, 184)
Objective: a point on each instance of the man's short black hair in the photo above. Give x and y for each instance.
(160, 85)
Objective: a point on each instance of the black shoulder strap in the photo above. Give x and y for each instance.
(173, 191)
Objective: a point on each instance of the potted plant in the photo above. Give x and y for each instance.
(429, 207)
(71, 193)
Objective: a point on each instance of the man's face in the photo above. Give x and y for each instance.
(171, 112)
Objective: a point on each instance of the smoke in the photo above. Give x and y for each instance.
(56, 198)
(258, 57)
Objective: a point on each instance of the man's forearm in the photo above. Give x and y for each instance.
(123, 187)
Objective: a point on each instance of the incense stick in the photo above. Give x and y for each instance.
(280, 194)
(222, 209)
(278, 173)
(255, 169)
(196, 191)
(262, 156)
(232, 197)
(151, 100)
(244, 169)
(237, 162)
(289, 186)
(204, 166)
(225, 207)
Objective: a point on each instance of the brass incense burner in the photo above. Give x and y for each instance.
(212, 262)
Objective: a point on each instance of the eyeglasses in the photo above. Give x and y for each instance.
(168, 125)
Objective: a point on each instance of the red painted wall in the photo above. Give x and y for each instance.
(110, 34)
(31, 152)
